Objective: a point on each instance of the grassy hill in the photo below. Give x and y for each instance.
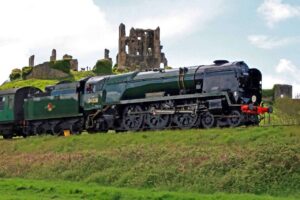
(259, 161)
(40, 83)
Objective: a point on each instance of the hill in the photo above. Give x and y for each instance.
(258, 160)
(41, 83)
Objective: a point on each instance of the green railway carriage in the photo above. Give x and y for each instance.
(61, 102)
(11, 110)
(54, 111)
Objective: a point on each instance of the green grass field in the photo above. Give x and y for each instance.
(251, 162)
(20, 189)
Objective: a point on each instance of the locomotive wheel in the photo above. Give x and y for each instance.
(185, 120)
(130, 120)
(7, 134)
(155, 121)
(57, 130)
(235, 118)
(207, 120)
(76, 128)
(38, 130)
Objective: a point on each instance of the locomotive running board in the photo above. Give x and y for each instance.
(163, 112)
(178, 97)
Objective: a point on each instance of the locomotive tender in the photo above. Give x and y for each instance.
(221, 94)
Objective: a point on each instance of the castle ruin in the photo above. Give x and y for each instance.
(44, 71)
(283, 91)
(141, 50)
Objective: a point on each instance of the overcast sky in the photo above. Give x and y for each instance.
(263, 33)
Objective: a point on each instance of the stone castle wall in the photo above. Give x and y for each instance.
(283, 91)
(44, 71)
(140, 50)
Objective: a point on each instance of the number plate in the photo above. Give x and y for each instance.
(93, 100)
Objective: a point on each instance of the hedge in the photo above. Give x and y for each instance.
(15, 74)
(62, 65)
(26, 71)
(103, 67)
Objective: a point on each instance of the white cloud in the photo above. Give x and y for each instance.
(267, 42)
(82, 29)
(182, 20)
(286, 73)
(77, 27)
(286, 66)
(275, 11)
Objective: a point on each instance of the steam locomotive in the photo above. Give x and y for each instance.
(222, 94)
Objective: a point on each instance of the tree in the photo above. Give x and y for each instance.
(103, 67)
(15, 74)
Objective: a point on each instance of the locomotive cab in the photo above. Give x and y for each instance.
(93, 93)
(254, 86)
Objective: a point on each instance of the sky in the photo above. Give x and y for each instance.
(263, 33)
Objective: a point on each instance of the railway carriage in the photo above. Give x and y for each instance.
(12, 110)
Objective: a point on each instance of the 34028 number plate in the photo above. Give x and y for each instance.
(93, 100)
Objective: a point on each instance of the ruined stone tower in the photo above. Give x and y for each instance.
(283, 91)
(31, 61)
(141, 50)
(53, 55)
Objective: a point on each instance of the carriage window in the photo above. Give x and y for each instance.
(2, 101)
(10, 100)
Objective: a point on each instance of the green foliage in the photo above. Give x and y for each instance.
(103, 67)
(168, 67)
(62, 65)
(15, 74)
(287, 111)
(74, 76)
(63, 190)
(116, 71)
(77, 75)
(26, 71)
(31, 82)
(267, 93)
(258, 160)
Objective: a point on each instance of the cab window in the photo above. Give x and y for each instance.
(2, 101)
(90, 88)
(96, 87)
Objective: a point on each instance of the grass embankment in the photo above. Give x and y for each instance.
(242, 160)
(285, 112)
(37, 190)
(40, 83)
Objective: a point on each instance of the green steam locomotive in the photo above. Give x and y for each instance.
(222, 94)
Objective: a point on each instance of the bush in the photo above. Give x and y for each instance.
(103, 67)
(268, 93)
(15, 74)
(26, 71)
(287, 111)
(62, 65)
(115, 70)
